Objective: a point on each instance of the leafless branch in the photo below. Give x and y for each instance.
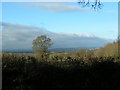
(94, 5)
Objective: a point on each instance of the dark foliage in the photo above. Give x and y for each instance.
(29, 74)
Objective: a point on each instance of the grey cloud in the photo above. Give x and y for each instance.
(15, 36)
(74, 41)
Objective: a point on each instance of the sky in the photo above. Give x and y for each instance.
(66, 23)
(64, 17)
(52, 0)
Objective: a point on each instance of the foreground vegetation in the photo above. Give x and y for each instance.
(80, 69)
(27, 73)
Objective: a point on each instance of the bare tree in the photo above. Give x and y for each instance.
(94, 5)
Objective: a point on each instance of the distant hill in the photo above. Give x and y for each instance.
(51, 49)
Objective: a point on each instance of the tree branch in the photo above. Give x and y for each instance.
(94, 5)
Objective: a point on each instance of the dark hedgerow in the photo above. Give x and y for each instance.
(23, 74)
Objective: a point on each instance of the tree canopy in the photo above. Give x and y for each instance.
(41, 43)
(40, 47)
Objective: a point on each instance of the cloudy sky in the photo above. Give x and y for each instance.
(61, 17)
(64, 17)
